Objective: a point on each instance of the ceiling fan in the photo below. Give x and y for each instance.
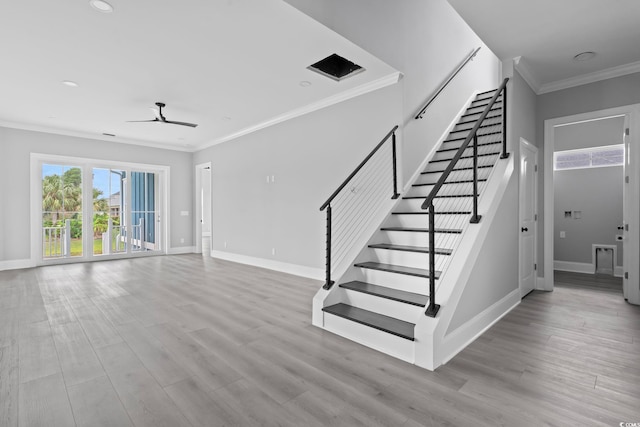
(161, 118)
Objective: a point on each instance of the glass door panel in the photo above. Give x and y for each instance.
(61, 211)
(143, 212)
(109, 234)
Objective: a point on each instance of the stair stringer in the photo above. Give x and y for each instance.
(433, 346)
(344, 271)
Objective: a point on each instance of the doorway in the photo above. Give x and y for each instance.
(573, 149)
(203, 198)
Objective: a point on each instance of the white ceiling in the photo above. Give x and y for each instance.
(547, 34)
(232, 66)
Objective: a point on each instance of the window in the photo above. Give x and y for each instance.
(596, 157)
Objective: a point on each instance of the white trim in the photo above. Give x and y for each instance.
(574, 267)
(632, 116)
(609, 73)
(89, 135)
(541, 284)
(526, 74)
(36, 162)
(382, 82)
(457, 340)
(16, 264)
(295, 269)
(181, 250)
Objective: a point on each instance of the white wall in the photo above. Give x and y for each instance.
(425, 40)
(16, 147)
(596, 192)
(309, 157)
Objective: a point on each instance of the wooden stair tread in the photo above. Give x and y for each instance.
(388, 293)
(470, 146)
(465, 157)
(381, 322)
(422, 230)
(399, 269)
(456, 169)
(464, 181)
(426, 212)
(404, 248)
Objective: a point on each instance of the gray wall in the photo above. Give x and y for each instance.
(425, 40)
(309, 157)
(596, 192)
(596, 96)
(16, 147)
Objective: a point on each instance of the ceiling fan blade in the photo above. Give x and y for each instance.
(142, 121)
(193, 125)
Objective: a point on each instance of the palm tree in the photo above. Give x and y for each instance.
(52, 196)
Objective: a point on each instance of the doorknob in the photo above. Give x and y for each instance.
(524, 229)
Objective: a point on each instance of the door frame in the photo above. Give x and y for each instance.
(87, 165)
(524, 143)
(631, 207)
(198, 209)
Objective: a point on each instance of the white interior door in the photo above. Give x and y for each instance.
(528, 216)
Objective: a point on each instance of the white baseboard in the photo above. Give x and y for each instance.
(16, 264)
(583, 267)
(574, 267)
(459, 339)
(618, 271)
(295, 269)
(541, 284)
(181, 250)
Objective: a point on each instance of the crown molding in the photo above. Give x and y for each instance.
(609, 73)
(88, 135)
(523, 69)
(323, 103)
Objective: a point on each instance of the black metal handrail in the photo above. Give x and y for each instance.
(433, 308)
(327, 205)
(446, 82)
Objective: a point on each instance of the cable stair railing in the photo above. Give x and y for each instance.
(366, 190)
(461, 193)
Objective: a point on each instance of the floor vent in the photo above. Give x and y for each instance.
(336, 67)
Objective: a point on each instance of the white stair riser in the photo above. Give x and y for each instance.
(447, 189)
(403, 282)
(405, 258)
(384, 342)
(422, 221)
(399, 310)
(443, 240)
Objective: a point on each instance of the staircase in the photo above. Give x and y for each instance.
(379, 300)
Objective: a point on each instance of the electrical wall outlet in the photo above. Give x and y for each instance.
(563, 234)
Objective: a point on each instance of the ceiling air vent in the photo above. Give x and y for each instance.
(336, 67)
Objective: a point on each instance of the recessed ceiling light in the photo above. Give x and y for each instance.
(305, 83)
(226, 118)
(584, 56)
(101, 6)
(69, 83)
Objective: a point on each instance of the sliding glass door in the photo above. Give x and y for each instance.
(61, 211)
(91, 210)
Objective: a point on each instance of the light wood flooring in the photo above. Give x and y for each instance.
(192, 341)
